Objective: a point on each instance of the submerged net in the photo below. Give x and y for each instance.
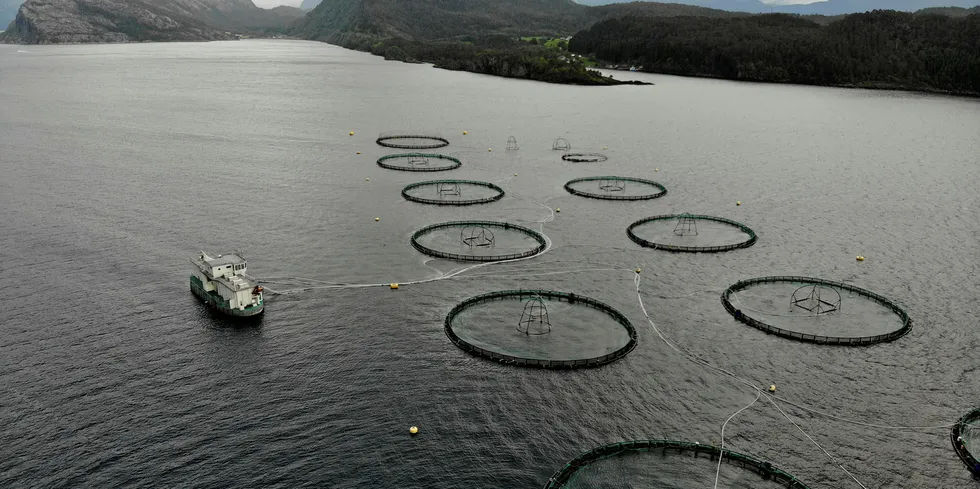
(667, 464)
(478, 241)
(411, 141)
(699, 234)
(419, 162)
(540, 328)
(584, 157)
(615, 188)
(453, 192)
(816, 310)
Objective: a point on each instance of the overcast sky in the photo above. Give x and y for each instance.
(295, 3)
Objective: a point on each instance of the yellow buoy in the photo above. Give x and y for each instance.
(860, 258)
(367, 179)
(515, 174)
(352, 133)
(638, 270)
(656, 169)
(772, 388)
(738, 202)
(489, 149)
(414, 430)
(394, 286)
(605, 147)
(465, 133)
(558, 209)
(376, 219)
(358, 152)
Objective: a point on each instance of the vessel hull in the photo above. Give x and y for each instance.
(219, 306)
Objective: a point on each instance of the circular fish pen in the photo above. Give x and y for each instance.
(453, 192)
(668, 463)
(584, 157)
(615, 188)
(815, 310)
(691, 233)
(540, 329)
(411, 141)
(965, 436)
(484, 241)
(422, 162)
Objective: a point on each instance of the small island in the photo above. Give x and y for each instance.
(548, 60)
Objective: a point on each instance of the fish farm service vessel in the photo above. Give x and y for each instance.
(222, 284)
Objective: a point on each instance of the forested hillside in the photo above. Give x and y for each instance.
(473, 35)
(883, 49)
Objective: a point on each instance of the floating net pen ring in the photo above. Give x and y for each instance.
(478, 234)
(443, 188)
(613, 188)
(391, 141)
(959, 444)
(752, 237)
(765, 469)
(419, 162)
(535, 299)
(584, 157)
(738, 314)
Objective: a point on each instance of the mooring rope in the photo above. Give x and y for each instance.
(706, 364)
(548, 247)
(721, 448)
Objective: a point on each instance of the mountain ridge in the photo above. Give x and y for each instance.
(111, 21)
(440, 19)
(828, 7)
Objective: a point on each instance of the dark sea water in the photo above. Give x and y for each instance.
(118, 163)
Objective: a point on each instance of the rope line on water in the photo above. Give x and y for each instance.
(822, 449)
(721, 448)
(706, 364)
(450, 275)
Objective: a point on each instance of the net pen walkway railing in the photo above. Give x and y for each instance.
(534, 362)
(541, 242)
(765, 469)
(738, 314)
(752, 237)
(959, 444)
